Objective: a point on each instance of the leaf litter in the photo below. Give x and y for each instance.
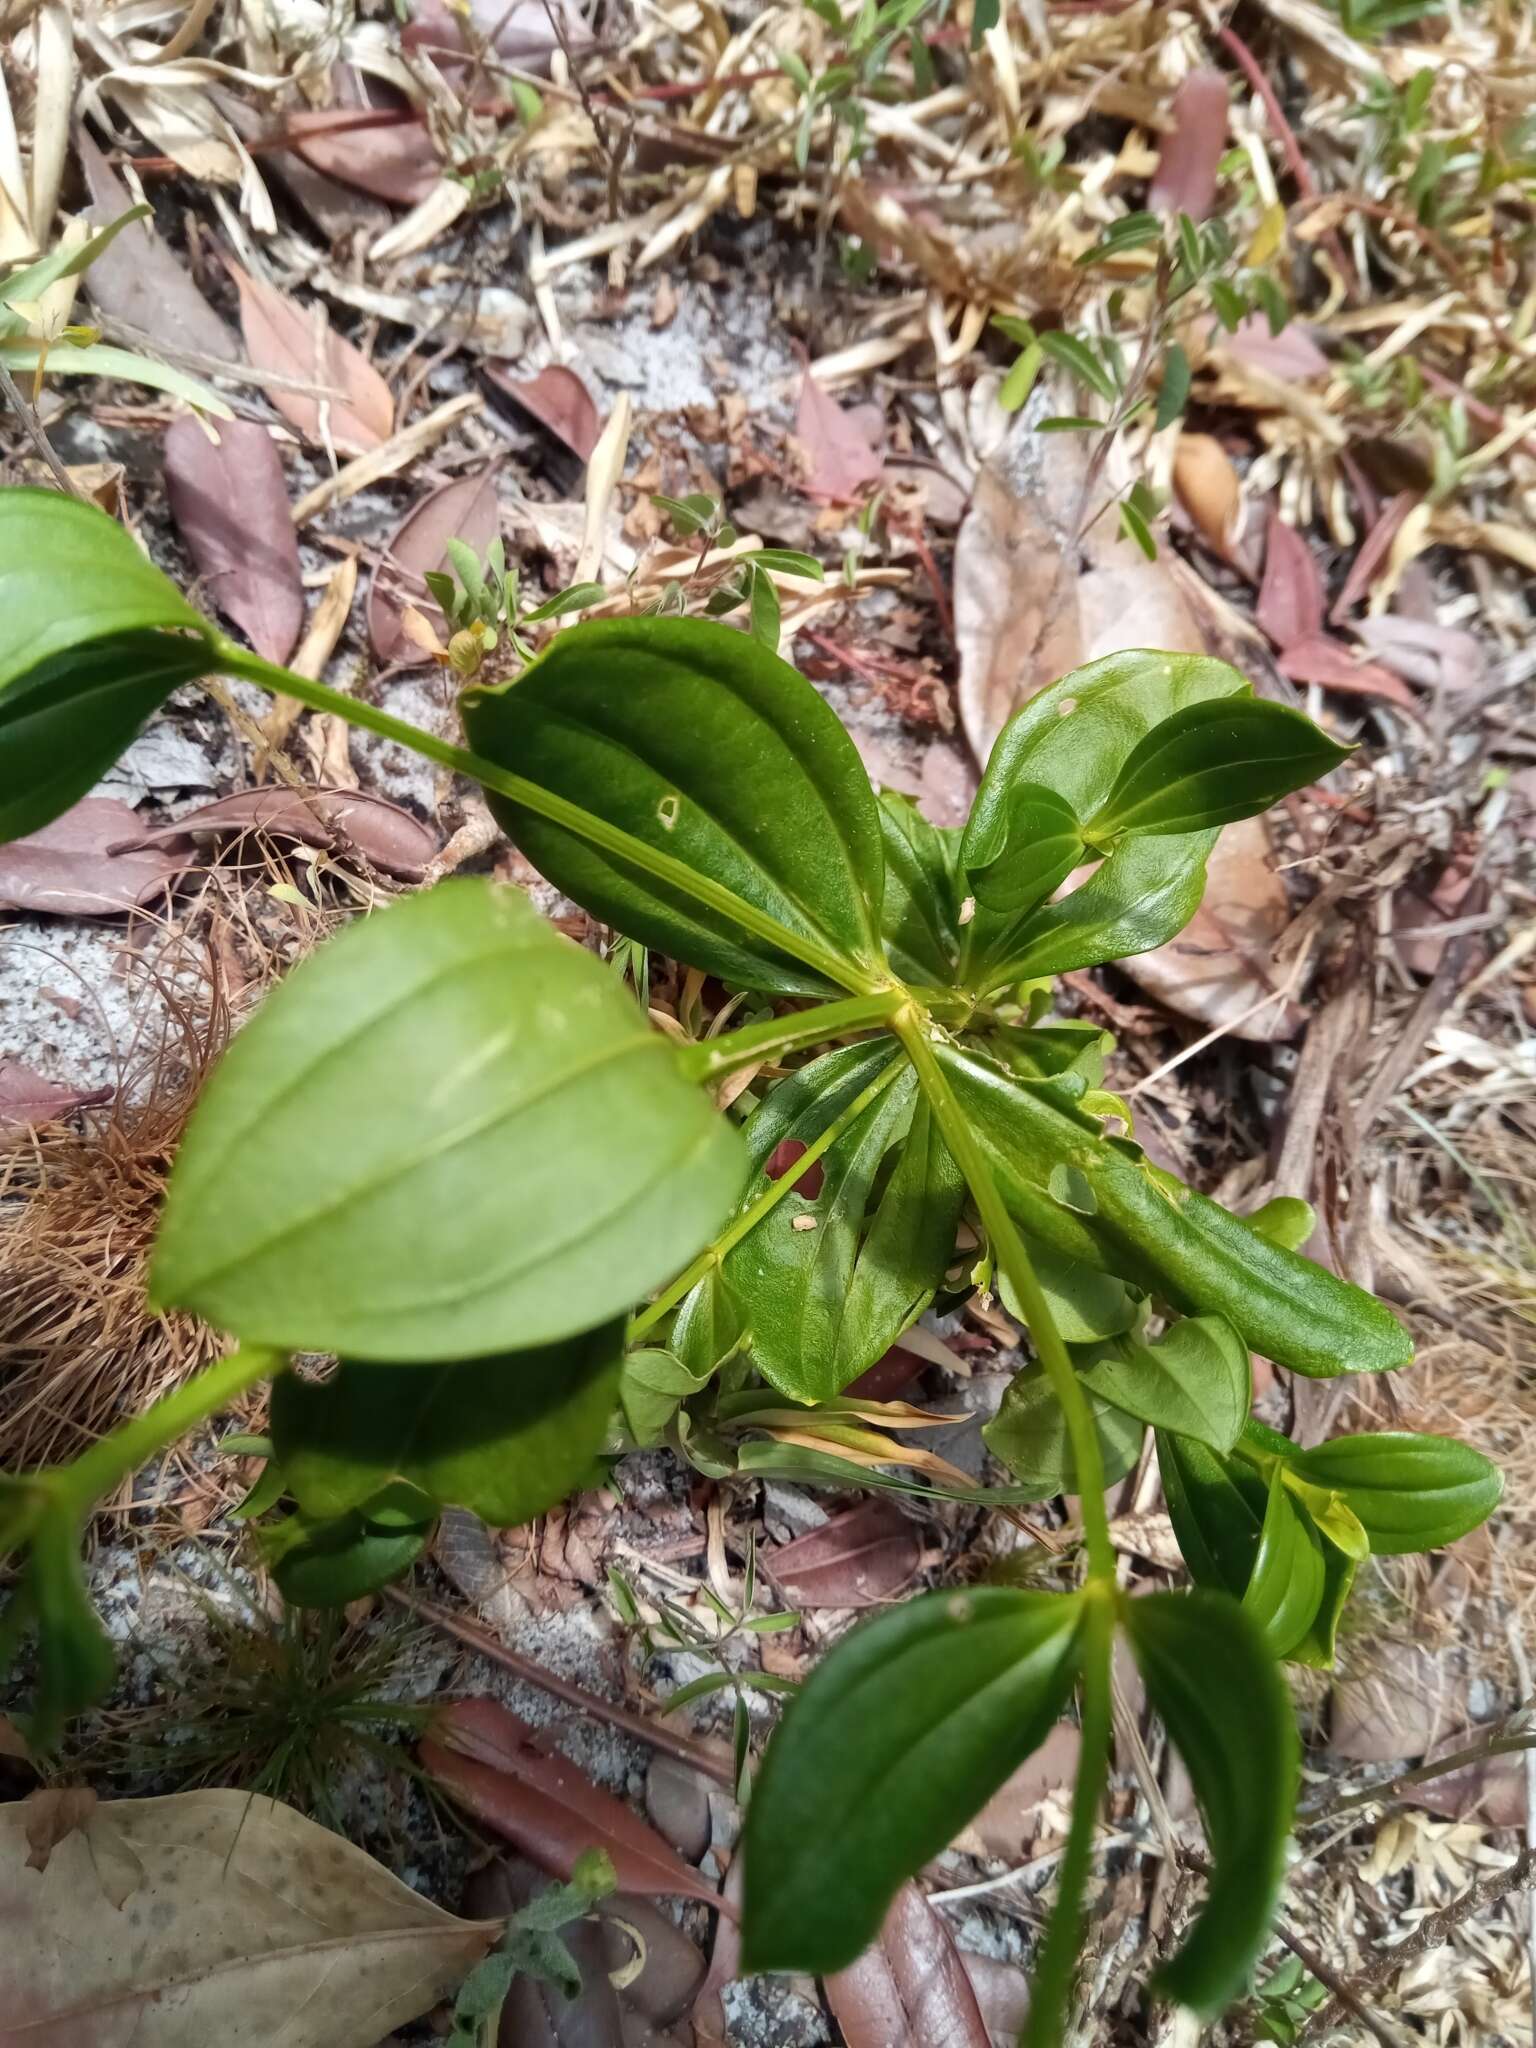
(1425, 587)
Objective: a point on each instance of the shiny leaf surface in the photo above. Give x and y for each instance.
(1410, 1492)
(1213, 763)
(947, 1694)
(1195, 1379)
(1029, 1434)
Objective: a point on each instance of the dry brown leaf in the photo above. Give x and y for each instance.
(466, 509)
(1373, 552)
(137, 279)
(298, 341)
(240, 1907)
(1320, 658)
(1423, 651)
(1398, 1708)
(1209, 489)
(92, 862)
(1185, 178)
(526, 33)
(229, 497)
(51, 1814)
(384, 834)
(29, 1098)
(1030, 606)
(838, 444)
(1290, 603)
(491, 1763)
(397, 162)
(911, 1989)
(1292, 355)
(558, 400)
(1007, 1824)
(858, 1559)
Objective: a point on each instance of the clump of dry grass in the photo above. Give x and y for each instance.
(78, 1209)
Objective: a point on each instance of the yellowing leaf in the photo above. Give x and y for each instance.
(231, 1917)
(1269, 238)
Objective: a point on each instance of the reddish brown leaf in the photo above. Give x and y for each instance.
(858, 1559)
(558, 400)
(1009, 1821)
(783, 1157)
(1291, 355)
(396, 162)
(1185, 178)
(382, 832)
(229, 497)
(466, 510)
(1374, 550)
(137, 279)
(27, 1098)
(89, 863)
(1320, 658)
(298, 341)
(50, 1815)
(1491, 1792)
(842, 462)
(911, 1989)
(488, 1760)
(1290, 606)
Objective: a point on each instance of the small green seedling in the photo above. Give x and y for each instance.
(450, 1150)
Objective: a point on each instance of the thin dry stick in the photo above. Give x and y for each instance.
(33, 428)
(1458, 1760)
(694, 1754)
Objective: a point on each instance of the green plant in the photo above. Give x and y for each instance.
(450, 1150)
(36, 337)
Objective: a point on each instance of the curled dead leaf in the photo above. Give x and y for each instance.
(490, 1762)
(1209, 489)
(558, 400)
(27, 1097)
(384, 834)
(92, 862)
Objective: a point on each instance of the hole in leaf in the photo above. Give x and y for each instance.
(783, 1157)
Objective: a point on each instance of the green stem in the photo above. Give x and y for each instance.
(751, 1216)
(1057, 1959)
(712, 1057)
(107, 1463)
(1015, 1263)
(664, 867)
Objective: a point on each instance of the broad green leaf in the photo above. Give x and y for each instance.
(1162, 1237)
(1316, 1647)
(1410, 1492)
(1217, 1506)
(1029, 1435)
(823, 1302)
(1076, 736)
(705, 746)
(1141, 897)
(921, 908)
(652, 1387)
(767, 1457)
(900, 1734)
(1045, 1052)
(81, 666)
(505, 1437)
(1214, 762)
(325, 1563)
(92, 359)
(1289, 1575)
(1086, 1303)
(708, 1328)
(1026, 848)
(1195, 1380)
(448, 1133)
(1215, 1683)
